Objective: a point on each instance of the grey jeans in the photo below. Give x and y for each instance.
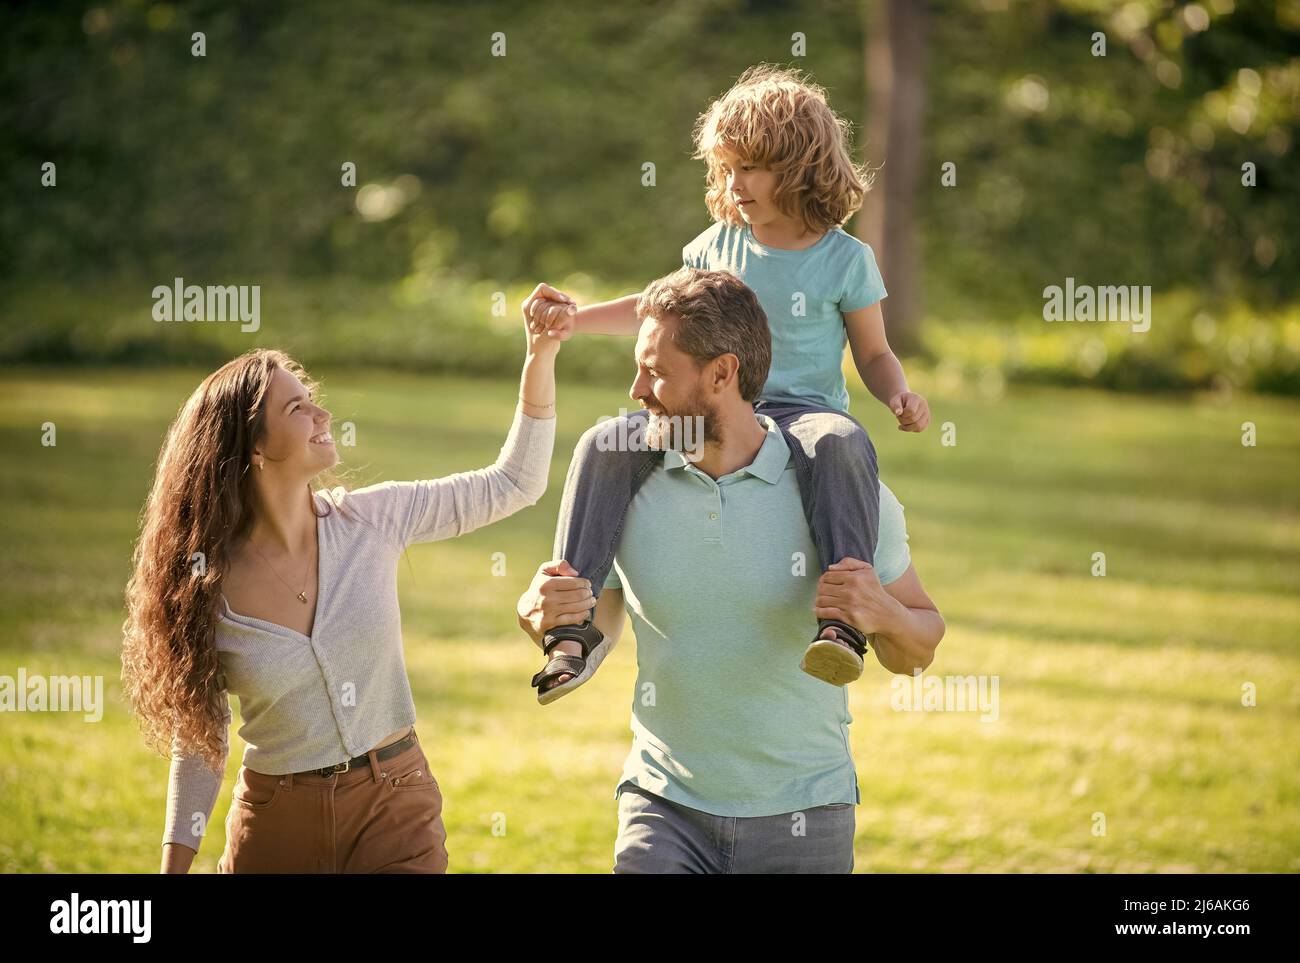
(658, 836)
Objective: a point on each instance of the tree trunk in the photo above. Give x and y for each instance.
(895, 43)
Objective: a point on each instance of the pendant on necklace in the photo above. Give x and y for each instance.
(302, 597)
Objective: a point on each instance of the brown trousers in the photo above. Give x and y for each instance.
(385, 818)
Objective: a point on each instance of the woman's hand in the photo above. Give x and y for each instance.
(548, 316)
(537, 383)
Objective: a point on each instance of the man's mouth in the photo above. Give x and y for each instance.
(324, 438)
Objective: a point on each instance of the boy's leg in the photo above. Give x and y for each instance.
(838, 481)
(603, 476)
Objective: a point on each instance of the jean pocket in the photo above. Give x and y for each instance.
(257, 792)
(412, 777)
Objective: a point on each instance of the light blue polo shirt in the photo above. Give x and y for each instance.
(804, 294)
(719, 578)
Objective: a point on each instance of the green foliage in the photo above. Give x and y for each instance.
(477, 172)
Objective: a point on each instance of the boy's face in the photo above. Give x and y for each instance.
(749, 187)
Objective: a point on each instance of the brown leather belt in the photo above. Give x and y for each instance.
(358, 762)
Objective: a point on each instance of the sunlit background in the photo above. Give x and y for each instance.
(396, 176)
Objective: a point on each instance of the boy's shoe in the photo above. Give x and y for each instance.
(595, 646)
(838, 661)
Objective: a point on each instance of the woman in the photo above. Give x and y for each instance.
(249, 583)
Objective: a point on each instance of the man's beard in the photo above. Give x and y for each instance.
(687, 429)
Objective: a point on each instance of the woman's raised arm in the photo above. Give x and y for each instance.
(425, 511)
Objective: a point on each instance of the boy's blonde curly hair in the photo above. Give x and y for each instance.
(776, 118)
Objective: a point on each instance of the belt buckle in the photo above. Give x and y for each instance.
(341, 767)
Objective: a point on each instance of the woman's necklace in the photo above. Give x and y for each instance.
(302, 596)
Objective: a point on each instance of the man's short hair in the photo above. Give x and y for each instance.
(716, 314)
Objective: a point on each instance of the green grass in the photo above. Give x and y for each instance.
(1119, 695)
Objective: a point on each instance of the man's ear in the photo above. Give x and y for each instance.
(725, 371)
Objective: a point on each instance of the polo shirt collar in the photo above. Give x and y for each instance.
(768, 464)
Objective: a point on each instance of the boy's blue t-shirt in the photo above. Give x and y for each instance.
(804, 294)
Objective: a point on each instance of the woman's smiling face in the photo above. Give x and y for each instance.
(297, 430)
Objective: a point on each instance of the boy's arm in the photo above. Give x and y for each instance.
(553, 311)
(881, 370)
(609, 317)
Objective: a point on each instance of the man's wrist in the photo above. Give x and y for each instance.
(896, 620)
(526, 624)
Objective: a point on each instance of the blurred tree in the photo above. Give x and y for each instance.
(895, 74)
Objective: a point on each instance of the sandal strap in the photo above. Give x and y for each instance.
(586, 635)
(847, 633)
(558, 666)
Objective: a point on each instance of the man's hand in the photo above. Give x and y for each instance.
(550, 313)
(850, 591)
(911, 410)
(557, 596)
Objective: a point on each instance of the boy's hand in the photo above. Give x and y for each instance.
(551, 312)
(911, 410)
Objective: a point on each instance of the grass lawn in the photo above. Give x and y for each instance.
(1123, 693)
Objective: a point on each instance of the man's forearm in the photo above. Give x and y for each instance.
(910, 642)
(526, 624)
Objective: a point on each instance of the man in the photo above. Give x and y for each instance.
(740, 762)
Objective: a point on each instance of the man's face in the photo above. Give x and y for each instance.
(670, 384)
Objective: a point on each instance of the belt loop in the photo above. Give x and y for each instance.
(374, 764)
(287, 780)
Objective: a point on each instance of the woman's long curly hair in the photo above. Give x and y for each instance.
(201, 504)
(776, 117)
